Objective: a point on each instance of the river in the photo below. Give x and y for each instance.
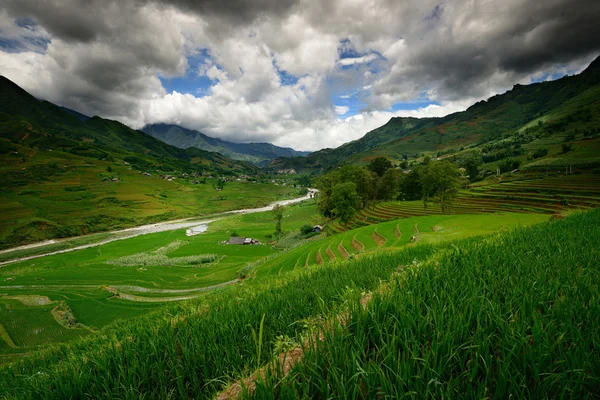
(195, 227)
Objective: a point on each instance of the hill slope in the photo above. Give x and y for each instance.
(543, 113)
(28, 121)
(64, 175)
(256, 153)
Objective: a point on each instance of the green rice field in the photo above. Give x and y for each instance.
(463, 318)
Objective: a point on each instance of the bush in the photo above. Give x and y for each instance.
(540, 153)
(306, 229)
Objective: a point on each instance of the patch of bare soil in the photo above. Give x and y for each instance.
(343, 250)
(397, 232)
(358, 246)
(378, 238)
(330, 253)
(319, 257)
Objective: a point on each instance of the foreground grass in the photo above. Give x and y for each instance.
(516, 315)
(515, 311)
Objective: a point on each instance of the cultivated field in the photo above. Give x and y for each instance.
(562, 193)
(83, 199)
(128, 278)
(466, 318)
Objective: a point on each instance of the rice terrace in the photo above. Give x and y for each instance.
(299, 200)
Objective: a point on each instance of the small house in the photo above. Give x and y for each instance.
(317, 228)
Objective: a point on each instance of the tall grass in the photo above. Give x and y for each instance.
(513, 314)
(190, 350)
(516, 315)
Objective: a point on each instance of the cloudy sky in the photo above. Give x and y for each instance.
(302, 73)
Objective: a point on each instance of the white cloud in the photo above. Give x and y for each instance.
(341, 110)
(357, 60)
(106, 58)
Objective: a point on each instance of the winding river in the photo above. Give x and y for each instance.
(193, 226)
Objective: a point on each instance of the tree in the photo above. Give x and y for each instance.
(380, 165)
(278, 216)
(410, 185)
(345, 200)
(388, 185)
(440, 181)
(471, 162)
(360, 176)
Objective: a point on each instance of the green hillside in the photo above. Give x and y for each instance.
(514, 124)
(63, 175)
(256, 153)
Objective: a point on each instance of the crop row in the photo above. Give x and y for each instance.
(475, 322)
(190, 349)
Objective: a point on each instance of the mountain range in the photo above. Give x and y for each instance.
(528, 115)
(260, 154)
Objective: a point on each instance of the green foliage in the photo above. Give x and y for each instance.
(364, 181)
(306, 229)
(538, 153)
(278, 211)
(344, 200)
(509, 164)
(380, 165)
(550, 333)
(388, 185)
(410, 186)
(440, 180)
(149, 259)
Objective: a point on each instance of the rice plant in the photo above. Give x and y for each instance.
(512, 314)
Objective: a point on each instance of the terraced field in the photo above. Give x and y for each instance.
(544, 196)
(126, 279)
(390, 235)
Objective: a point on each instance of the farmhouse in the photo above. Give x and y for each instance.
(242, 241)
(317, 228)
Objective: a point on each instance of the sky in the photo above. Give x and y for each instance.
(306, 74)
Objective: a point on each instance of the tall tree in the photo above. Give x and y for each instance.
(388, 185)
(278, 216)
(345, 200)
(379, 165)
(440, 181)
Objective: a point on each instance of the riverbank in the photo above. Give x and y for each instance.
(23, 253)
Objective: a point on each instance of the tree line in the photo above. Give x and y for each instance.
(344, 191)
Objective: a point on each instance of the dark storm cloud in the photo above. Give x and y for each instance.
(244, 11)
(75, 20)
(478, 48)
(556, 34)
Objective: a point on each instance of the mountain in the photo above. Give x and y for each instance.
(256, 153)
(25, 120)
(76, 114)
(567, 109)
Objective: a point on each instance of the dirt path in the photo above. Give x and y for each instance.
(128, 233)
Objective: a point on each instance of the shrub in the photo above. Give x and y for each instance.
(306, 229)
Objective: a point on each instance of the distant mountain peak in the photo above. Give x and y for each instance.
(257, 153)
